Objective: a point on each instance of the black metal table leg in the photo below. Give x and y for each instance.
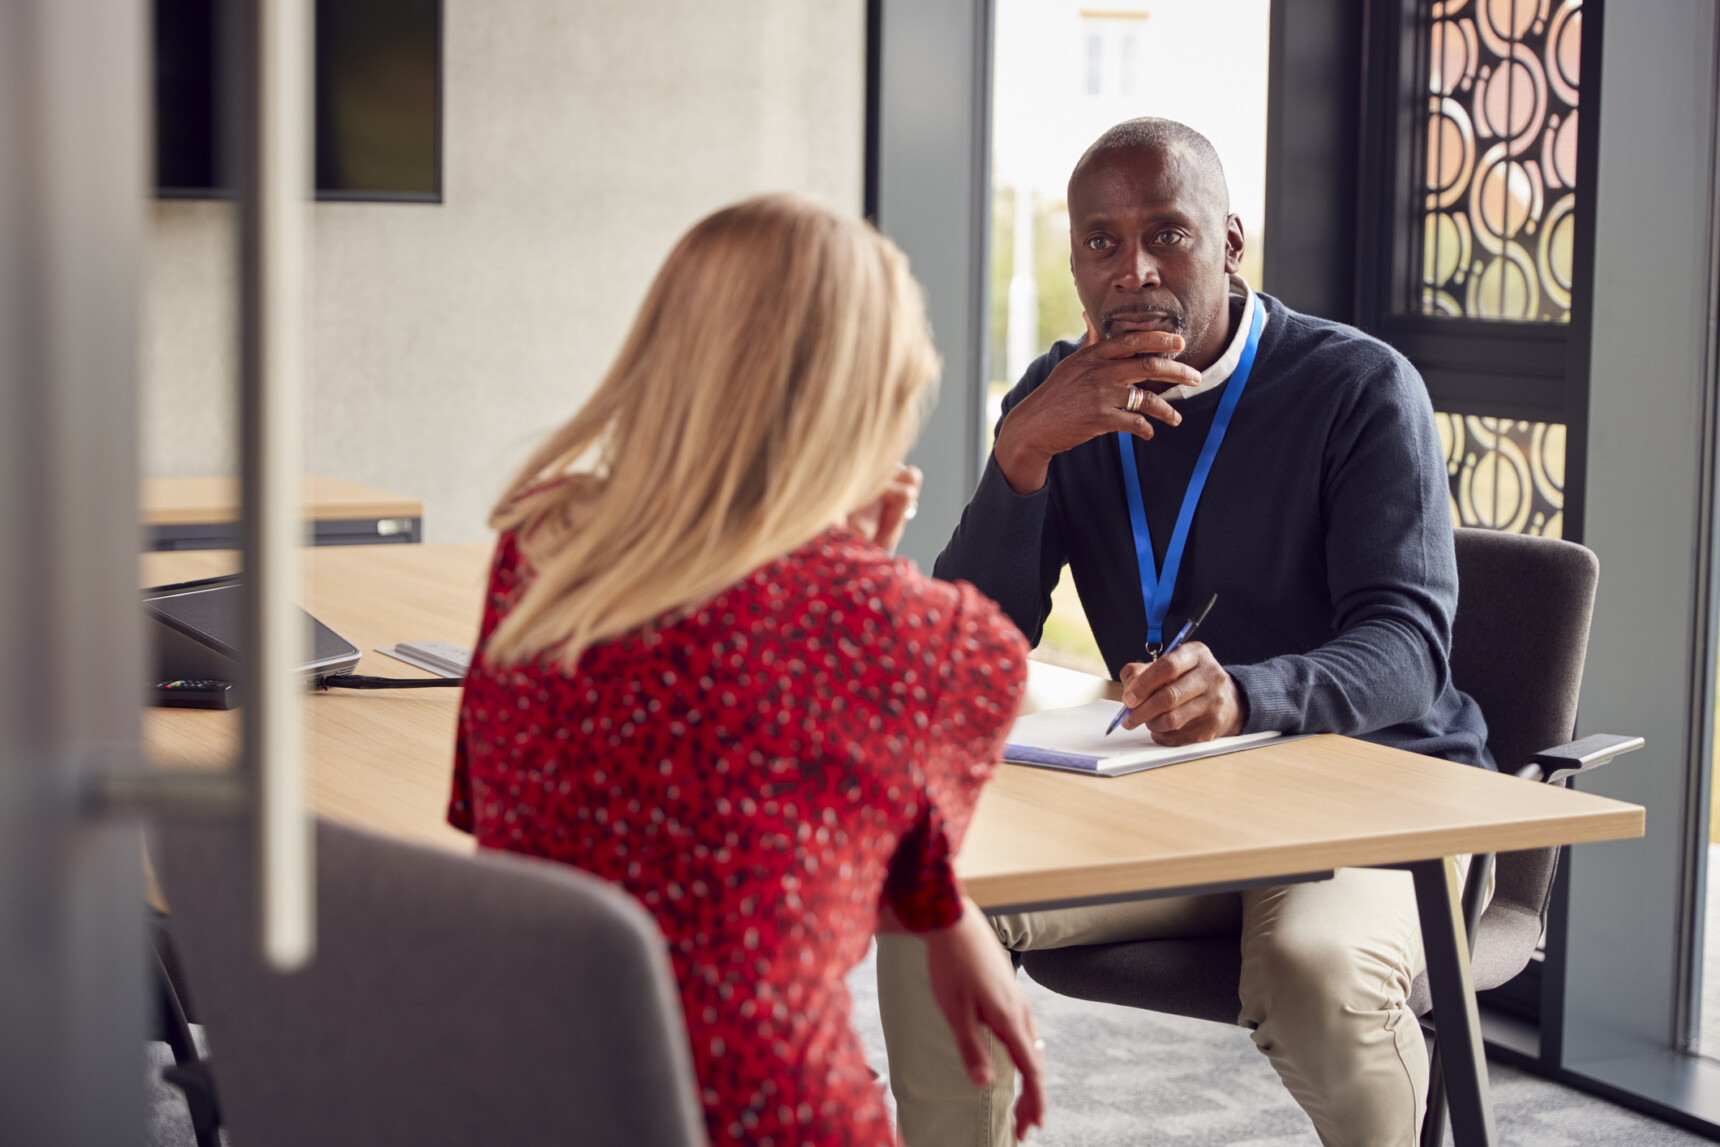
(1439, 902)
(1474, 897)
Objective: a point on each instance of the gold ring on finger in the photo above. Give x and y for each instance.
(1135, 398)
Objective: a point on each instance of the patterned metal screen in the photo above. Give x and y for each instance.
(1501, 159)
(1505, 474)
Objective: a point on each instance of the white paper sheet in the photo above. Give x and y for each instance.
(1074, 739)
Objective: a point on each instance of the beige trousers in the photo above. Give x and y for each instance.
(1326, 974)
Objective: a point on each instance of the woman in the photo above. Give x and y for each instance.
(702, 675)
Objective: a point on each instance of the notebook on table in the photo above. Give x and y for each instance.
(1074, 739)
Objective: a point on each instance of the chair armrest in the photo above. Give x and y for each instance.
(1555, 764)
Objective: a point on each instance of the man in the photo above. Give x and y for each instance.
(1322, 527)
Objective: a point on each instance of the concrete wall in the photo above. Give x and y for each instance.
(579, 141)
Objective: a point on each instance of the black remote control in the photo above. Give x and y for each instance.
(181, 694)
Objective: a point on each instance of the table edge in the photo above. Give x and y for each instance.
(1227, 866)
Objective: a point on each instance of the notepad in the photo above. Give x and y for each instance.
(438, 657)
(1074, 739)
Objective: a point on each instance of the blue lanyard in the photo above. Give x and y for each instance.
(1156, 587)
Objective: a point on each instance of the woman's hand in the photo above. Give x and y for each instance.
(974, 983)
(882, 521)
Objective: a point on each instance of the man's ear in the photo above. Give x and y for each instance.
(1233, 245)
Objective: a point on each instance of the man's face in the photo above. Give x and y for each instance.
(1152, 248)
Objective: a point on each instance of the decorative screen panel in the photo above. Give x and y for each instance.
(1501, 159)
(1505, 474)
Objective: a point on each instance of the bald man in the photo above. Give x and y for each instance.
(1321, 523)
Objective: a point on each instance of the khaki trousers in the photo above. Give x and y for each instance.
(1326, 974)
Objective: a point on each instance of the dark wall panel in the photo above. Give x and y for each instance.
(1313, 122)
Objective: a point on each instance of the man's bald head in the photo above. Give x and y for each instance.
(1152, 243)
(1171, 139)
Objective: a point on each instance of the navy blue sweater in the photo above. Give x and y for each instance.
(1325, 530)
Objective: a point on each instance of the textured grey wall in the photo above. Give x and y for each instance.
(579, 141)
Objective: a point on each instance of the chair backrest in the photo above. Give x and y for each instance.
(453, 1000)
(1522, 628)
(1517, 647)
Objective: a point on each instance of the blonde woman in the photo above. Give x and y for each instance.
(702, 675)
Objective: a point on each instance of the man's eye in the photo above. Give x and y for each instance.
(1170, 238)
(1098, 243)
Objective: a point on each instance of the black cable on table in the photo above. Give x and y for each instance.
(359, 681)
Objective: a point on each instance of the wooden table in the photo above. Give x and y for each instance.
(1049, 839)
(382, 761)
(202, 513)
(377, 760)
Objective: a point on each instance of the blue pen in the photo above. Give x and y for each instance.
(1182, 635)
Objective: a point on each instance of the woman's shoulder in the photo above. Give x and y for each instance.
(869, 595)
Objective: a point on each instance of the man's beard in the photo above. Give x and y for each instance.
(1177, 316)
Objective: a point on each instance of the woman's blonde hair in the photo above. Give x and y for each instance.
(773, 380)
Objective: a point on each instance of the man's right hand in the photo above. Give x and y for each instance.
(1087, 395)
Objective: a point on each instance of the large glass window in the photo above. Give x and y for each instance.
(1476, 270)
(1476, 260)
(1063, 73)
(1492, 176)
(1506, 474)
(1498, 225)
(1478, 282)
(1498, 221)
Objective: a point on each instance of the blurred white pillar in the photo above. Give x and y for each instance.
(74, 101)
(272, 86)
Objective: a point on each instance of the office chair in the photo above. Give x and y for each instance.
(453, 1000)
(1517, 648)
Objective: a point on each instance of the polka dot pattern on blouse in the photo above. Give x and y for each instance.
(759, 773)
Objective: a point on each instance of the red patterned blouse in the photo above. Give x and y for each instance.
(758, 773)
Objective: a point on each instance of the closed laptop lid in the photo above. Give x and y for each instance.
(200, 634)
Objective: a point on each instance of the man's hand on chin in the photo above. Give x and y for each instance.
(1107, 386)
(1184, 697)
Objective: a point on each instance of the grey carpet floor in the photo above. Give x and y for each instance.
(1120, 1077)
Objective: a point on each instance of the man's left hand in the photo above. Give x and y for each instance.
(1184, 697)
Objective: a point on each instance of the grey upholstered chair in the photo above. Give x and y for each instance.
(1517, 647)
(453, 1000)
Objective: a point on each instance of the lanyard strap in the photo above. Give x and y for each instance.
(1156, 587)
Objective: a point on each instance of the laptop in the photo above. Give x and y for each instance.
(195, 632)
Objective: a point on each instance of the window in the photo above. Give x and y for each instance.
(1476, 257)
(1505, 473)
(1499, 217)
(1498, 226)
(1062, 74)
